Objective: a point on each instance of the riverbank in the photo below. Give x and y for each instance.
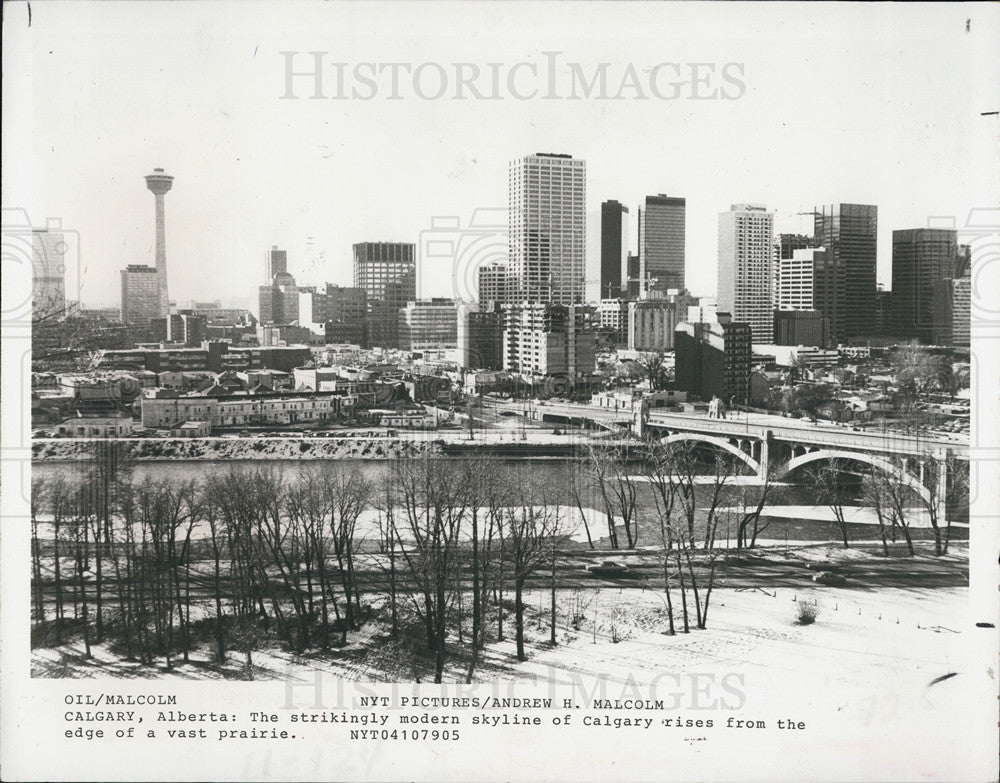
(258, 448)
(442, 444)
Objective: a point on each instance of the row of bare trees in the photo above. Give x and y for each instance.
(252, 555)
(897, 496)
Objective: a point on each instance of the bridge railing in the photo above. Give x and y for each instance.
(885, 442)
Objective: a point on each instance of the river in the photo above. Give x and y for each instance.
(791, 508)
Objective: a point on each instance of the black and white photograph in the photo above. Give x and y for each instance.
(500, 391)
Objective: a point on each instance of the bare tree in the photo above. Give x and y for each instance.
(831, 489)
(529, 528)
(433, 505)
(658, 466)
(751, 500)
(486, 504)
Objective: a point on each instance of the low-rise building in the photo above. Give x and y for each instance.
(95, 427)
(244, 410)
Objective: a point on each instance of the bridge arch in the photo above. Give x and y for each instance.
(857, 456)
(721, 443)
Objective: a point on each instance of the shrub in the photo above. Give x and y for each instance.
(807, 613)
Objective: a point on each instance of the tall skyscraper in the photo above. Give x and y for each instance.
(661, 243)
(547, 198)
(159, 184)
(48, 266)
(277, 262)
(845, 284)
(141, 295)
(388, 274)
(614, 249)
(920, 258)
(746, 287)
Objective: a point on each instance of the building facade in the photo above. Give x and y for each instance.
(276, 263)
(661, 243)
(388, 274)
(428, 325)
(345, 314)
(48, 273)
(713, 360)
(920, 258)
(614, 249)
(845, 282)
(493, 282)
(801, 327)
(746, 287)
(279, 300)
(952, 311)
(548, 339)
(547, 208)
(480, 337)
(796, 279)
(652, 323)
(243, 410)
(140, 295)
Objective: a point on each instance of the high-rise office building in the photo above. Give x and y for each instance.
(386, 270)
(882, 313)
(612, 318)
(614, 249)
(388, 274)
(428, 325)
(279, 301)
(845, 283)
(633, 283)
(493, 283)
(920, 258)
(796, 279)
(480, 336)
(952, 311)
(344, 313)
(661, 243)
(277, 262)
(746, 287)
(48, 268)
(547, 199)
(140, 295)
(651, 324)
(549, 339)
(784, 246)
(714, 359)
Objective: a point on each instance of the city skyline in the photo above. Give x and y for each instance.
(700, 151)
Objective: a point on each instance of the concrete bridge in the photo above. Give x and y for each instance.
(773, 447)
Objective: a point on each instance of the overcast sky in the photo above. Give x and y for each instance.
(865, 103)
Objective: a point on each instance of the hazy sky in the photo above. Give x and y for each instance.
(867, 103)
